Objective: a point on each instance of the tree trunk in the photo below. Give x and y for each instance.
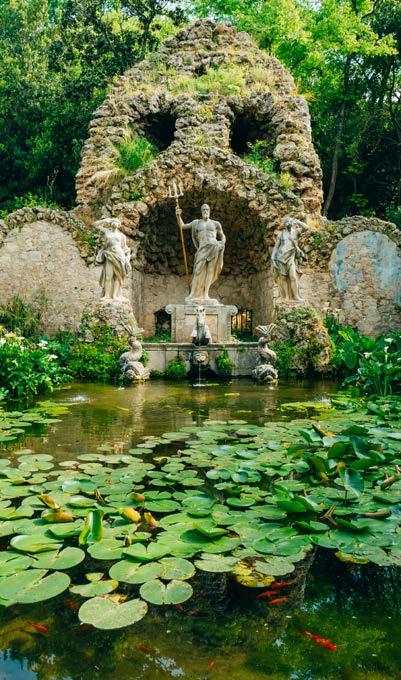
(339, 138)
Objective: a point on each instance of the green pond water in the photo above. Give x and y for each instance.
(225, 634)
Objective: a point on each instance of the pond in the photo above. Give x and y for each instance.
(222, 634)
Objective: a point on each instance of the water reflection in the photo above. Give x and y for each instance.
(107, 414)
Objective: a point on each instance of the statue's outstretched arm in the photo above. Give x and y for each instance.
(99, 225)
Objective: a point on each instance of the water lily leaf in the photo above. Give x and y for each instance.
(81, 502)
(355, 559)
(12, 562)
(107, 549)
(215, 563)
(209, 531)
(105, 614)
(129, 571)
(65, 559)
(352, 480)
(93, 527)
(33, 586)
(241, 502)
(174, 592)
(34, 544)
(148, 553)
(162, 506)
(94, 589)
(274, 566)
(176, 568)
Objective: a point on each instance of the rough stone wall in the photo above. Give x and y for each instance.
(354, 266)
(366, 272)
(49, 251)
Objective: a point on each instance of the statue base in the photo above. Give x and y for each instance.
(218, 319)
(117, 315)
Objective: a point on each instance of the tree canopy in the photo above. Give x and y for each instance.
(59, 56)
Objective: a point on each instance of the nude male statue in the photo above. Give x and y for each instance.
(209, 241)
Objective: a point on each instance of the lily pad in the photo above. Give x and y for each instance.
(33, 586)
(105, 614)
(129, 571)
(174, 592)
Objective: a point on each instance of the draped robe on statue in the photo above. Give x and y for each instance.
(208, 262)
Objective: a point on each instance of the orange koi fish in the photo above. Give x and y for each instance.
(143, 647)
(211, 665)
(278, 600)
(282, 584)
(39, 626)
(319, 640)
(266, 593)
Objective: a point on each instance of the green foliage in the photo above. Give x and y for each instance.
(22, 317)
(135, 152)
(58, 58)
(97, 360)
(284, 366)
(221, 80)
(28, 200)
(176, 369)
(260, 155)
(342, 54)
(224, 363)
(393, 214)
(28, 368)
(161, 337)
(372, 365)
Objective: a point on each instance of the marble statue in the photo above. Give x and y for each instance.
(265, 371)
(114, 255)
(209, 241)
(284, 258)
(200, 333)
(131, 367)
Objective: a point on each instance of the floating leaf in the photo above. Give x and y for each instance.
(105, 614)
(95, 589)
(33, 586)
(34, 544)
(65, 559)
(129, 571)
(174, 592)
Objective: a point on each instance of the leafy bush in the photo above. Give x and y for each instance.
(97, 360)
(28, 368)
(24, 318)
(260, 155)
(176, 369)
(393, 214)
(224, 363)
(160, 337)
(28, 200)
(372, 365)
(284, 351)
(135, 152)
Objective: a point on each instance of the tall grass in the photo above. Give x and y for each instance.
(135, 152)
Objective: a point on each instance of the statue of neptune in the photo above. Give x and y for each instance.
(209, 241)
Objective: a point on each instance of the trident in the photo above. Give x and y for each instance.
(176, 192)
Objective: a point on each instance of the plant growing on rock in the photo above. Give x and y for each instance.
(224, 363)
(135, 152)
(176, 369)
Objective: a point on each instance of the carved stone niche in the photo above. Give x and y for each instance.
(218, 318)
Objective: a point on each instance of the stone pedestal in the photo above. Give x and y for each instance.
(218, 319)
(118, 315)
